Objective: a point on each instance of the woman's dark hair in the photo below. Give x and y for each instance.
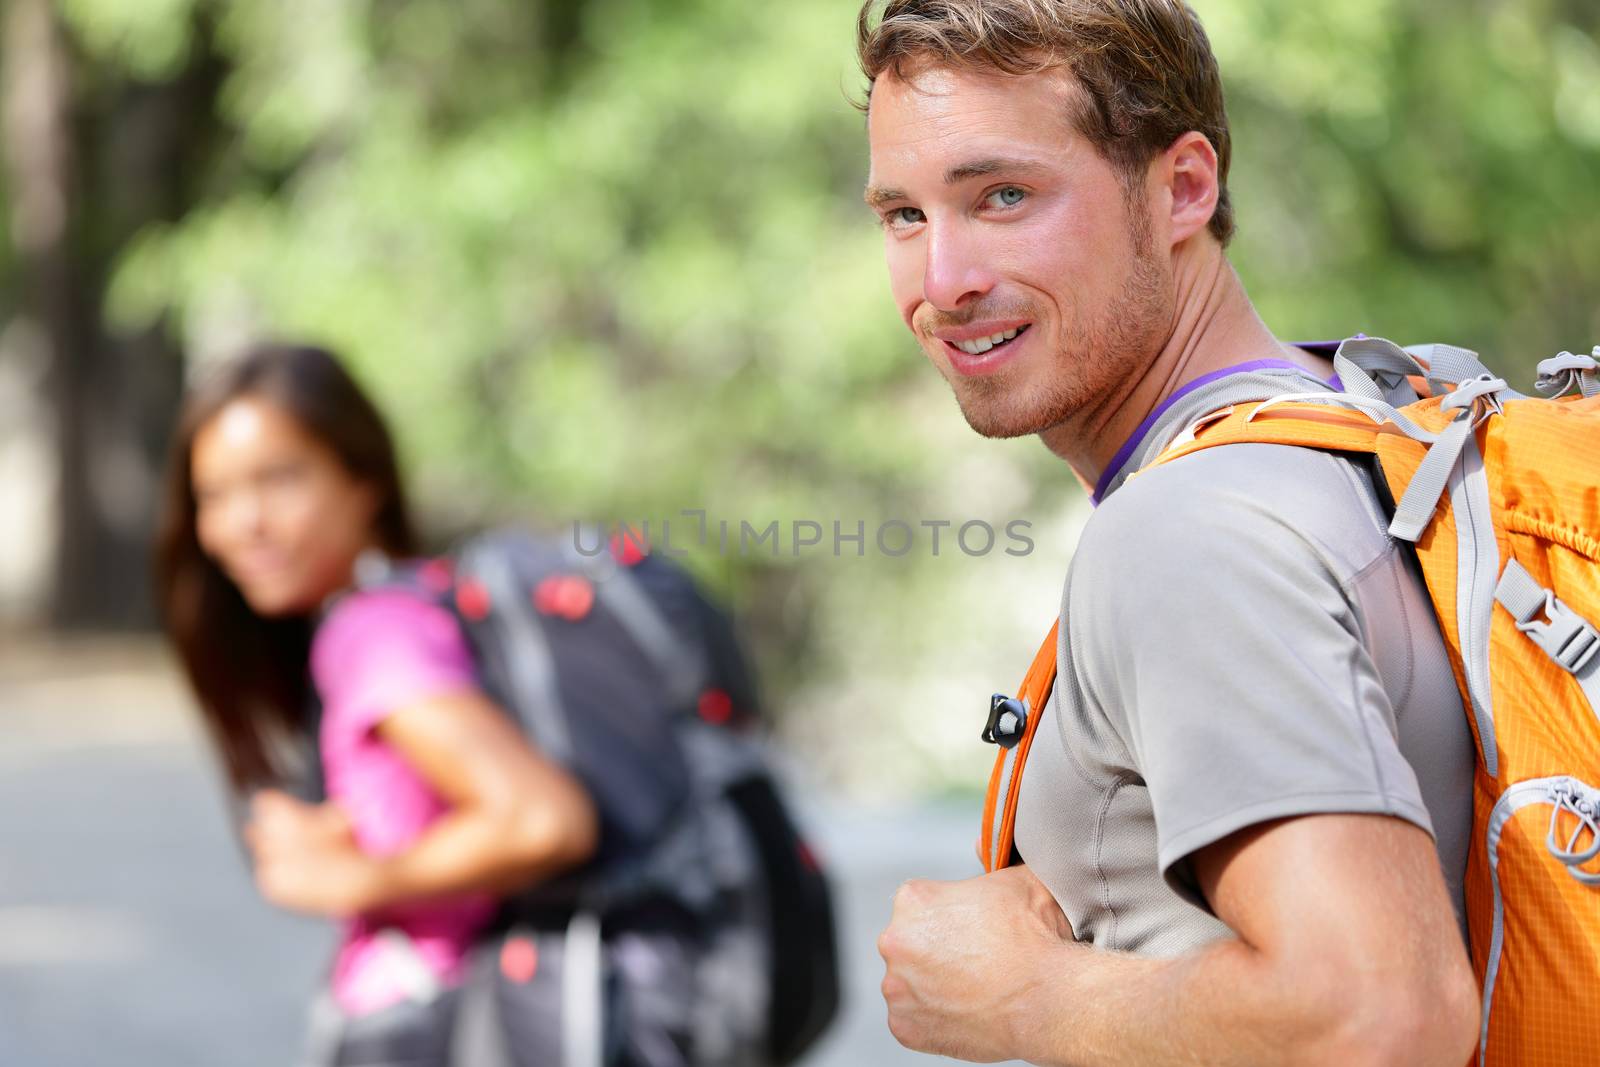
(250, 673)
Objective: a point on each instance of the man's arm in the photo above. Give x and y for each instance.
(1347, 953)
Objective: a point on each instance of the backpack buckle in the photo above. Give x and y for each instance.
(1485, 387)
(1562, 373)
(1568, 638)
(1008, 716)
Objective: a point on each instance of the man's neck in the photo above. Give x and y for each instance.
(1214, 327)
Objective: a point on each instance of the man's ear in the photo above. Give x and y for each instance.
(1188, 171)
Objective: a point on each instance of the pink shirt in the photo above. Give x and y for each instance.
(375, 653)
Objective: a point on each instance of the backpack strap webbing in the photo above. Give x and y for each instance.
(522, 656)
(1423, 443)
(1306, 425)
(677, 657)
(1005, 782)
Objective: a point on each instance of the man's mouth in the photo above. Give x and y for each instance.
(978, 346)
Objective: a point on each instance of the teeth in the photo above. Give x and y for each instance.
(982, 344)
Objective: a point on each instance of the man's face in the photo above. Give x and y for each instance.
(1013, 255)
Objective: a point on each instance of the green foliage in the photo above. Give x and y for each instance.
(150, 39)
(1418, 170)
(655, 285)
(608, 259)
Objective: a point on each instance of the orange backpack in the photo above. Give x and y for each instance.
(1500, 495)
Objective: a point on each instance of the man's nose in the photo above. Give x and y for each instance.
(956, 271)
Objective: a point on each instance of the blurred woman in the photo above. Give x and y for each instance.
(283, 483)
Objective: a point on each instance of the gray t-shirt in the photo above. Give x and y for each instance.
(1241, 641)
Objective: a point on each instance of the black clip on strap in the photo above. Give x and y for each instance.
(1007, 718)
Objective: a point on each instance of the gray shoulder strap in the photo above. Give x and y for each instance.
(1377, 368)
(582, 993)
(1449, 365)
(680, 661)
(479, 1038)
(531, 670)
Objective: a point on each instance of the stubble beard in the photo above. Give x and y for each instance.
(1096, 353)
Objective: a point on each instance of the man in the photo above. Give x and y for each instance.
(1245, 815)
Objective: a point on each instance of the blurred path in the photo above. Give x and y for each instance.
(130, 933)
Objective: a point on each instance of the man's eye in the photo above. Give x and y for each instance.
(1006, 196)
(904, 216)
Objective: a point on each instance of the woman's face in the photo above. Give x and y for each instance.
(276, 507)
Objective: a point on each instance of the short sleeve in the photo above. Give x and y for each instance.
(377, 652)
(1226, 651)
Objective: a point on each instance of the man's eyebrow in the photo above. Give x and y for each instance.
(876, 195)
(979, 167)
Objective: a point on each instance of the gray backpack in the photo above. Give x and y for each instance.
(705, 921)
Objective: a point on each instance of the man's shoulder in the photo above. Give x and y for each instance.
(1236, 499)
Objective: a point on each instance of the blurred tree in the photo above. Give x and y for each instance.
(602, 260)
(1420, 170)
(607, 259)
(94, 154)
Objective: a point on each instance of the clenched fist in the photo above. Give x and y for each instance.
(306, 857)
(965, 963)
